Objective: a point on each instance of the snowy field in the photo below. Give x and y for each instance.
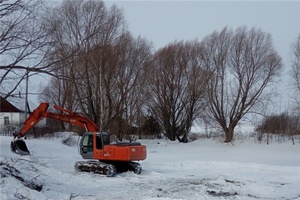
(203, 169)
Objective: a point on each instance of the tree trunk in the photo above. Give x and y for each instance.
(183, 139)
(228, 134)
(170, 134)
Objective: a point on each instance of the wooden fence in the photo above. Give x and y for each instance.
(6, 133)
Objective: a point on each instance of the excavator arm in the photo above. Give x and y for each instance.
(42, 112)
(67, 116)
(32, 120)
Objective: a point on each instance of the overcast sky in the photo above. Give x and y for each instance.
(163, 22)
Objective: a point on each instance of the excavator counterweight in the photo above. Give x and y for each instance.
(104, 157)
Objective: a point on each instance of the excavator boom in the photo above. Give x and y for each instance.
(19, 146)
(42, 112)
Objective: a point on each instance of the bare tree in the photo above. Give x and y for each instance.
(296, 68)
(244, 63)
(176, 84)
(125, 85)
(78, 28)
(23, 44)
(104, 72)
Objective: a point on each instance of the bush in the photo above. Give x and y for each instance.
(283, 124)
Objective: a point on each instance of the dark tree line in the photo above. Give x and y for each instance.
(127, 87)
(283, 124)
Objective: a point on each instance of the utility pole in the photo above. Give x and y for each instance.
(26, 93)
(101, 98)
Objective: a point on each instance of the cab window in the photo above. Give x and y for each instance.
(88, 142)
(105, 137)
(99, 144)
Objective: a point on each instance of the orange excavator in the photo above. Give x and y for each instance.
(103, 157)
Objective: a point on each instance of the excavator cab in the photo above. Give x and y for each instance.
(87, 143)
(19, 146)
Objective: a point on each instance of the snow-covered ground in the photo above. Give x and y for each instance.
(203, 169)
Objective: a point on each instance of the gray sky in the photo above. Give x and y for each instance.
(163, 22)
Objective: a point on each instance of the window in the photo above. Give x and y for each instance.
(87, 144)
(99, 144)
(6, 120)
(88, 141)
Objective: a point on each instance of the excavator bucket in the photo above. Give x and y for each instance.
(18, 146)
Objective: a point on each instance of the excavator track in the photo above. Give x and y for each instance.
(96, 167)
(137, 168)
(127, 166)
(108, 169)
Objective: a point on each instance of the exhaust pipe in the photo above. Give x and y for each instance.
(19, 146)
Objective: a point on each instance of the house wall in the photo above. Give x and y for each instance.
(15, 120)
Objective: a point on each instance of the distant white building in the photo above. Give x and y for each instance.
(12, 117)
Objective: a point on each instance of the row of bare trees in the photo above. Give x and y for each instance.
(121, 83)
(282, 124)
